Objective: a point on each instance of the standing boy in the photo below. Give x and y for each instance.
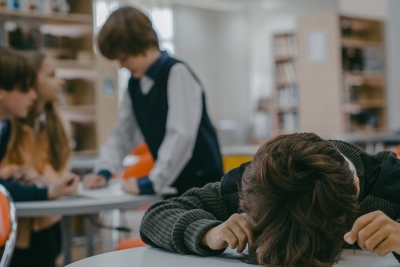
(164, 105)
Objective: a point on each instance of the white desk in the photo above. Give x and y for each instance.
(76, 206)
(150, 257)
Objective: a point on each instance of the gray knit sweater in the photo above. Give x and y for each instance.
(179, 224)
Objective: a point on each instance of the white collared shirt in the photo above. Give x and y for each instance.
(183, 120)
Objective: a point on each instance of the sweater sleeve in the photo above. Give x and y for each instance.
(178, 224)
(23, 192)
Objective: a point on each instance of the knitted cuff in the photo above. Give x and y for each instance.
(195, 232)
(188, 230)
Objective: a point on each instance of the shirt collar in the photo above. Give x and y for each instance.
(351, 165)
(155, 69)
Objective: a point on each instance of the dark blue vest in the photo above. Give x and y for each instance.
(4, 138)
(151, 111)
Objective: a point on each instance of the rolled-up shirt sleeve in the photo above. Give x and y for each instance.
(124, 135)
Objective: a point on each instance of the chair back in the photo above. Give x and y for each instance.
(8, 226)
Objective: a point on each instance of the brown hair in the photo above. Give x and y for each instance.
(126, 32)
(301, 199)
(16, 71)
(59, 150)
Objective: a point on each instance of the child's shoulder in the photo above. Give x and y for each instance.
(231, 181)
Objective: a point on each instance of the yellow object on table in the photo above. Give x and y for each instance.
(235, 156)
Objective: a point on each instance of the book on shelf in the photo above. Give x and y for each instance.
(285, 46)
(288, 97)
(364, 120)
(288, 122)
(359, 29)
(286, 73)
(368, 59)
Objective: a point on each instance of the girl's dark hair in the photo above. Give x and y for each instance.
(17, 72)
(301, 199)
(126, 32)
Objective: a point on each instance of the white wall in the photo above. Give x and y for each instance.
(364, 8)
(215, 44)
(393, 63)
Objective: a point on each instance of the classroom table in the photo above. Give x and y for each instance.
(75, 205)
(150, 257)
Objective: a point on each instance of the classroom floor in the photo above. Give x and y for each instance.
(103, 241)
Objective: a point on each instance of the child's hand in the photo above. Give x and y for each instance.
(26, 175)
(92, 180)
(233, 233)
(131, 186)
(68, 185)
(375, 232)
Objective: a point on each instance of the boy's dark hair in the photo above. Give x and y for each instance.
(16, 71)
(126, 32)
(301, 199)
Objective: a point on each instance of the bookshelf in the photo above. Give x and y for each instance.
(344, 92)
(285, 97)
(64, 30)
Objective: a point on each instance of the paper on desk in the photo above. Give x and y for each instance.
(114, 189)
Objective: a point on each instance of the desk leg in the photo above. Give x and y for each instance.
(116, 221)
(66, 241)
(89, 236)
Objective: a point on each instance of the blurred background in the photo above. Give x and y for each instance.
(268, 66)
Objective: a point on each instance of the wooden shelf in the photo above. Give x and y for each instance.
(79, 114)
(284, 59)
(74, 64)
(288, 110)
(88, 152)
(326, 87)
(369, 130)
(78, 108)
(56, 18)
(366, 74)
(364, 104)
(284, 112)
(73, 69)
(279, 85)
(357, 43)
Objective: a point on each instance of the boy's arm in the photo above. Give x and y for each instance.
(178, 224)
(124, 135)
(183, 120)
(24, 193)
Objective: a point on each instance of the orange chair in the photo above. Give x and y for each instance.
(8, 226)
(143, 166)
(398, 151)
(130, 243)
